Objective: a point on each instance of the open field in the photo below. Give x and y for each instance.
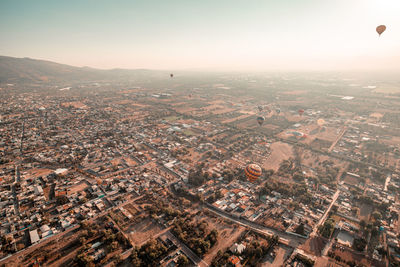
(387, 90)
(314, 245)
(281, 255)
(244, 116)
(279, 152)
(141, 232)
(77, 188)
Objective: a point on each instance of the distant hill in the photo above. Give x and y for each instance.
(27, 70)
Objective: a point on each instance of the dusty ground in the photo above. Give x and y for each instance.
(33, 173)
(77, 188)
(348, 255)
(365, 211)
(388, 89)
(311, 159)
(281, 255)
(279, 152)
(314, 245)
(139, 233)
(226, 238)
(326, 262)
(236, 118)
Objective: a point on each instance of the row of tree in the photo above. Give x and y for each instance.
(195, 235)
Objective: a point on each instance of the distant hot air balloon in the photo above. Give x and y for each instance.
(260, 120)
(252, 172)
(380, 29)
(260, 108)
(320, 122)
(171, 75)
(278, 110)
(301, 111)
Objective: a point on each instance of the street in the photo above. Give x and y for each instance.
(323, 218)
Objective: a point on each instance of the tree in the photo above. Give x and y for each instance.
(182, 260)
(135, 260)
(359, 244)
(113, 246)
(363, 224)
(376, 215)
(300, 229)
(327, 228)
(84, 260)
(82, 240)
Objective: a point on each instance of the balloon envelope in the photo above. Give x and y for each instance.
(171, 75)
(320, 122)
(380, 29)
(260, 120)
(301, 111)
(260, 108)
(252, 172)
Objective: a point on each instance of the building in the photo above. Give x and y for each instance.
(34, 236)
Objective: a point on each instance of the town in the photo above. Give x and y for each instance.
(151, 172)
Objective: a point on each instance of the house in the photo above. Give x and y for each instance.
(237, 248)
(234, 260)
(34, 236)
(38, 190)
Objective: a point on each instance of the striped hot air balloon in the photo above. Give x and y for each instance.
(260, 120)
(253, 172)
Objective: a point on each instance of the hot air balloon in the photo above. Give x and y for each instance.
(301, 111)
(252, 172)
(171, 75)
(380, 29)
(278, 110)
(320, 122)
(260, 120)
(260, 108)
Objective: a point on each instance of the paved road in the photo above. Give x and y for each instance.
(323, 218)
(188, 252)
(28, 250)
(294, 241)
(337, 139)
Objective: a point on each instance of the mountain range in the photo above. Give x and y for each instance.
(27, 70)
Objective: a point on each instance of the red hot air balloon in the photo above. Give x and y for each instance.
(301, 111)
(252, 172)
(380, 29)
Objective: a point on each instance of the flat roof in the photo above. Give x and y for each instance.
(34, 236)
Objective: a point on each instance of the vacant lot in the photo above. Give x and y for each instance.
(279, 152)
(314, 245)
(77, 188)
(281, 255)
(141, 232)
(365, 211)
(227, 235)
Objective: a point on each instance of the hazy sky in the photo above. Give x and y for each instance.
(205, 34)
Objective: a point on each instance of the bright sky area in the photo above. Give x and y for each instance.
(239, 35)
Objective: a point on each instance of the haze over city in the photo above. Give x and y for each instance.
(200, 133)
(205, 35)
